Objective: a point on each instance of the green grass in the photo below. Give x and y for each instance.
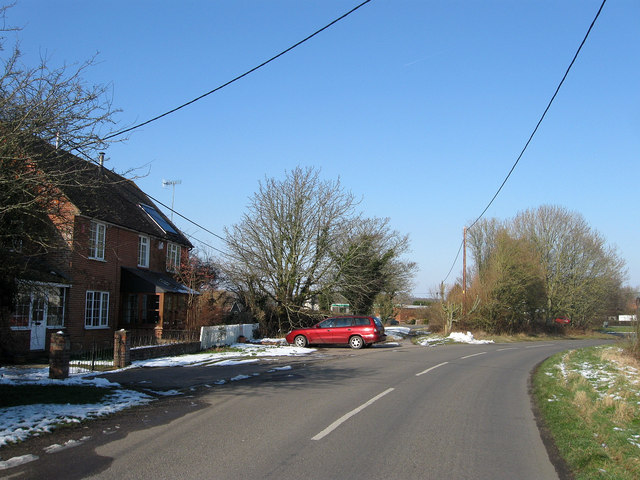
(620, 328)
(14, 395)
(590, 405)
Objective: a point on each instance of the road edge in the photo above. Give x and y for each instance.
(558, 462)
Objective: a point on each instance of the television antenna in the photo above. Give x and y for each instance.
(173, 183)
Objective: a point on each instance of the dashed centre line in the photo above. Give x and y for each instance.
(429, 369)
(355, 411)
(474, 355)
(347, 416)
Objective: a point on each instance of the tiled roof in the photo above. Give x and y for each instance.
(100, 193)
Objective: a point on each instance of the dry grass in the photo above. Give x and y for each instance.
(621, 357)
(539, 337)
(594, 403)
(584, 406)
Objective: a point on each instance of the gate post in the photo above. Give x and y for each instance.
(121, 349)
(59, 354)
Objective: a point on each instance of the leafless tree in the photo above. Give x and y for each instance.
(583, 274)
(44, 112)
(481, 239)
(279, 254)
(302, 241)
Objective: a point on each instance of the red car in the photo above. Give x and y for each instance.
(356, 331)
(563, 320)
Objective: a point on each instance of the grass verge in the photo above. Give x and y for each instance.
(15, 395)
(589, 401)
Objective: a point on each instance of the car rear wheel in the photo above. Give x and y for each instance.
(300, 341)
(356, 342)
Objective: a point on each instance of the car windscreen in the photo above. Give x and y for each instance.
(377, 321)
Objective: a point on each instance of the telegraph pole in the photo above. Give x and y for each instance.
(464, 268)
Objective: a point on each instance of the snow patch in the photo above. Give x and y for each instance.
(16, 461)
(467, 338)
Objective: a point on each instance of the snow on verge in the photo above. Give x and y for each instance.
(453, 337)
(467, 338)
(18, 423)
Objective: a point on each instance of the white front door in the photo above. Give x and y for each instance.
(38, 322)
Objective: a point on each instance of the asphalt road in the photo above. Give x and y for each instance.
(454, 412)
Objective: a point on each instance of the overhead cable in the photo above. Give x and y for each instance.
(566, 73)
(126, 130)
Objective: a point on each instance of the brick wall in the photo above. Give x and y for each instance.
(157, 351)
(121, 250)
(84, 273)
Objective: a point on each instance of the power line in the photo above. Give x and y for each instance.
(121, 132)
(566, 73)
(454, 263)
(88, 157)
(205, 244)
(186, 218)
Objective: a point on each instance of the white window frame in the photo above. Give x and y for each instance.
(96, 312)
(97, 240)
(173, 257)
(42, 293)
(144, 247)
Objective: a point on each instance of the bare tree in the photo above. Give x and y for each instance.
(302, 241)
(279, 254)
(582, 274)
(200, 274)
(44, 112)
(482, 241)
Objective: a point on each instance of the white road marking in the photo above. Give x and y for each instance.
(474, 355)
(538, 346)
(503, 349)
(346, 417)
(429, 369)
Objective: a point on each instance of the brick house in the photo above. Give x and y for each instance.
(111, 269)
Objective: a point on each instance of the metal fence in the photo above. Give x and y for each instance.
(96, 359)
(145, 338)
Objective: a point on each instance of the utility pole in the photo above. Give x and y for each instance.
(173, 184)
(464, 268)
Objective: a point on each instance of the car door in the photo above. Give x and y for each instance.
(342, 330)
(323, 332)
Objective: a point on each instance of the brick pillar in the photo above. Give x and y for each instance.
(59, 352)
(157, 331)
(121, 349)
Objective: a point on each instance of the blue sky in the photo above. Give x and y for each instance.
(420, 107)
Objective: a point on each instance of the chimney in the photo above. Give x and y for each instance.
(101, 162)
